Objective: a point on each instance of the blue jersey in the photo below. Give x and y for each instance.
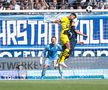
(51, 51)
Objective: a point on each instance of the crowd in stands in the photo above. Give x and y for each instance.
(51, 4)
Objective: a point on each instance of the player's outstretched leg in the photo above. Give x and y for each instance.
(63, 57)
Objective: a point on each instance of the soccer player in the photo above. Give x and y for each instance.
(51, 54)
(65, 26)
(73, 36)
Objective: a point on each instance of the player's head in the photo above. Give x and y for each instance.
(53, 40)
(73, 16)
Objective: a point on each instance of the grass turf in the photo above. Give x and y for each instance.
(54, 85)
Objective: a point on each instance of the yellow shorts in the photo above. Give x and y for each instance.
(64, 39)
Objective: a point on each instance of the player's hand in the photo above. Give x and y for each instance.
(40, 61)
(81, 43)
(86, 36)
(46, 21)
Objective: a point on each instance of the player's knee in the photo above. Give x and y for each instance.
(68, 55)
(69, 48)
(45, 66)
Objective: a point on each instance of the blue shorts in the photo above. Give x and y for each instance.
(49, 62)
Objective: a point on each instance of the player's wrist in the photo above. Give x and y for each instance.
(85, 35)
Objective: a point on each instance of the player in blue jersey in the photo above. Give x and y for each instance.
(51, 54)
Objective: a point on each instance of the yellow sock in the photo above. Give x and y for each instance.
(64, 54)
(62, 59)
(59, 58)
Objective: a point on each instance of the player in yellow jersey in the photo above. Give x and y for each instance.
(65, 26)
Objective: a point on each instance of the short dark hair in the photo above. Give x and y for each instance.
(53, 37)
(74, 15)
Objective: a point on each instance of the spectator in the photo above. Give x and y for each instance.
(75, 4)
(1, 6)
(79, 7)
(100, 4)
(38, 6)
(106, 6)
(9, 6)
(44, 4)
(36, 1)
(63, 6)
(93, 3)
(15, 5)
(26, 5)
(51, 7)
(60, 3)
(87, 3)
(35, 6)
(71, 8)
(54, 3)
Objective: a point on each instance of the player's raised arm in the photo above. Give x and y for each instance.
(78, 32)
(51, 21)
(56, 21)
(74, 24)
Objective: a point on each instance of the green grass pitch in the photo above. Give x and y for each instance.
(100, 84)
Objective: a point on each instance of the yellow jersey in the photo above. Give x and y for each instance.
(65, 24)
